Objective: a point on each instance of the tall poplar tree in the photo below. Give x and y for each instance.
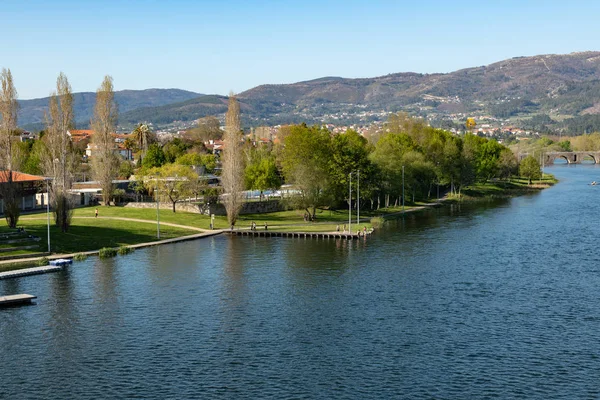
(8, 125)
(59, 159)
(232, 175)
(105, 163)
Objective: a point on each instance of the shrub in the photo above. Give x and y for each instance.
(377, 222)
(80, 257)
(125, 250)
(107, 252)
(42, 262)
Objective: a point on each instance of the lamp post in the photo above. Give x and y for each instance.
(48, 209)
(403, 190)
(350, 203)
(157, 212)
(358, 198)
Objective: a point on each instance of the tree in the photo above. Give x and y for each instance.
(105, 162)
(350, 153)
(261, 172)
(507, 164)
(9, 190)
(232, 175)
(58, 161)
(388, 157)
(175, 182)
(209, 128)
(155, 157)
(529, 168)
(305, 159)
(143, 138)
(174, 149)
(470, 124)
(207, 161)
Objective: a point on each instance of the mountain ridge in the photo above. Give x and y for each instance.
(537, 92)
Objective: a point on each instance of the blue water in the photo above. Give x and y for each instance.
(498, 300)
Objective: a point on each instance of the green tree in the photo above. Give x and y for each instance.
(507, 164)
(174, 149)
(261, 172)
(350, 153)
(305, 159)
(529, 168)
(143, 138)
(155, 157)
(388, 157)
(175, 182)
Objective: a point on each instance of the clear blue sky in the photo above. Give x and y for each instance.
(221, 46)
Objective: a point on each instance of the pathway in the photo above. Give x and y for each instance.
(193, 228)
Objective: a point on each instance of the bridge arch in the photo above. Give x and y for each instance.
(588, 157)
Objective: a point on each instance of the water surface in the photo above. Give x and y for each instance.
(491, 301)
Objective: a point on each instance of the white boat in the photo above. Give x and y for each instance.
(61, 261)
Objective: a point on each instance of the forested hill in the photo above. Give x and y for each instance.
(544, 93)
(31, 112)
(554, 87)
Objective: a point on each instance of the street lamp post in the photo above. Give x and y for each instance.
(358, 198)
(157, 212)
(403, 189)
(350, 203)
(48, 209)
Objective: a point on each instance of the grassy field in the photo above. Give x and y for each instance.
(94, 234)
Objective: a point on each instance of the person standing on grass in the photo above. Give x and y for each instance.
(96, 213)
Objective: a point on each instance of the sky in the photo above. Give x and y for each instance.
(217, 47)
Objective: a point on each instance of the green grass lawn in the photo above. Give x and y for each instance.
(94, 234)
(179, 217)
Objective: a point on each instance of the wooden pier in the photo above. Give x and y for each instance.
(315, 235)
(15, 300)
(29, 271)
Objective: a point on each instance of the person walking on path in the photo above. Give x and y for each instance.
(96, 213)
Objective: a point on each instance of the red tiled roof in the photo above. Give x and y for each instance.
(19, 177)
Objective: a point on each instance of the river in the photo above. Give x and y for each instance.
(497, 300)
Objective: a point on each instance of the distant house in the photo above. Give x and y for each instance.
(214, 146)
(119, 146)
(30, 190)
(78, 135)
(119, 149)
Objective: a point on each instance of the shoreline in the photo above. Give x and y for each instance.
(27, 262)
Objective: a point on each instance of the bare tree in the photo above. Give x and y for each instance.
(59, 159)
(232, 174)
(9, 191)
(105, 163)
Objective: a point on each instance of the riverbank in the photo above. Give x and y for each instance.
(135, 228)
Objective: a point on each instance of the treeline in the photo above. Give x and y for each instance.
(320, 166)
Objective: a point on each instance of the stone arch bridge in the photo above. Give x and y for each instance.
(571, 157)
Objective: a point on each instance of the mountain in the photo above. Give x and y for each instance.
(31, 112)
(556, 86)
(544, 93)
(182, 111)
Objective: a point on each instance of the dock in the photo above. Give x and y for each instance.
(16, 299)
(29, 271)
(315, 235)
